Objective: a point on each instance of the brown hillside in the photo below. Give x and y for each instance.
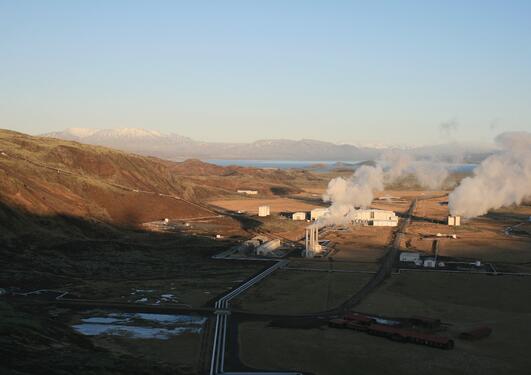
(50, 177)
(231, 178)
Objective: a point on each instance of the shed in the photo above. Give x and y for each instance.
(454, 220)
(299, 216)
(409, 257)
(247, 192)
(264, 211)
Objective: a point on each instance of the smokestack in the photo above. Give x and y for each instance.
(312, 241)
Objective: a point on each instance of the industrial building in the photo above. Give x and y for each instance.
(247, 192)
(377, 218)
(312, 241)
(299, 216)
(454, 221)
(316, 213)
(264, 211)
(268, 247)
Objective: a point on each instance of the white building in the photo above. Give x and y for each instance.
(316, 213)
(268, 247)
(384, 223)
(409, 257)
(247, 192)
(378, 218)
(299, 216)
(454, 220)
(264, 211)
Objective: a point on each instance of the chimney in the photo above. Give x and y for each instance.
(312, 240)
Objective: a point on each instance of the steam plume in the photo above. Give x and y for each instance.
(354, 192)
(500, 180)
(429, 174)
(346, 195)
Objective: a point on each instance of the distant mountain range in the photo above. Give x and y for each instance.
(176, 147)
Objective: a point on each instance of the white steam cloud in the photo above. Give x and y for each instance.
(429, 174)
(500, 180)
(348, 194)
(354, 192)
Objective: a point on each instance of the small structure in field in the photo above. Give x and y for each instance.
(247, 192)
(454, 221)
(429, 263)
(264, 211)
(409, 257)
(299, 216)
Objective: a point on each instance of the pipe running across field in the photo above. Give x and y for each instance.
(220, 331)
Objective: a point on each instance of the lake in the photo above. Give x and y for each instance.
(317, 165)
(281, 164)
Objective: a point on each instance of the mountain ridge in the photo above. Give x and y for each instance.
(173, 146)
(177, 147)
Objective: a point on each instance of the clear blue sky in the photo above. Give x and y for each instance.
(342, 71)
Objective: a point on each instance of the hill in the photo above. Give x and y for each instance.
(52, 177)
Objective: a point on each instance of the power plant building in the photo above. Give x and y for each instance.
(264, 211)
(454, 221)
(299, 216)
(378, 218)
(247, 192)
(316, 213)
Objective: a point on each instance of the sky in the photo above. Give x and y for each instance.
(386, 72)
